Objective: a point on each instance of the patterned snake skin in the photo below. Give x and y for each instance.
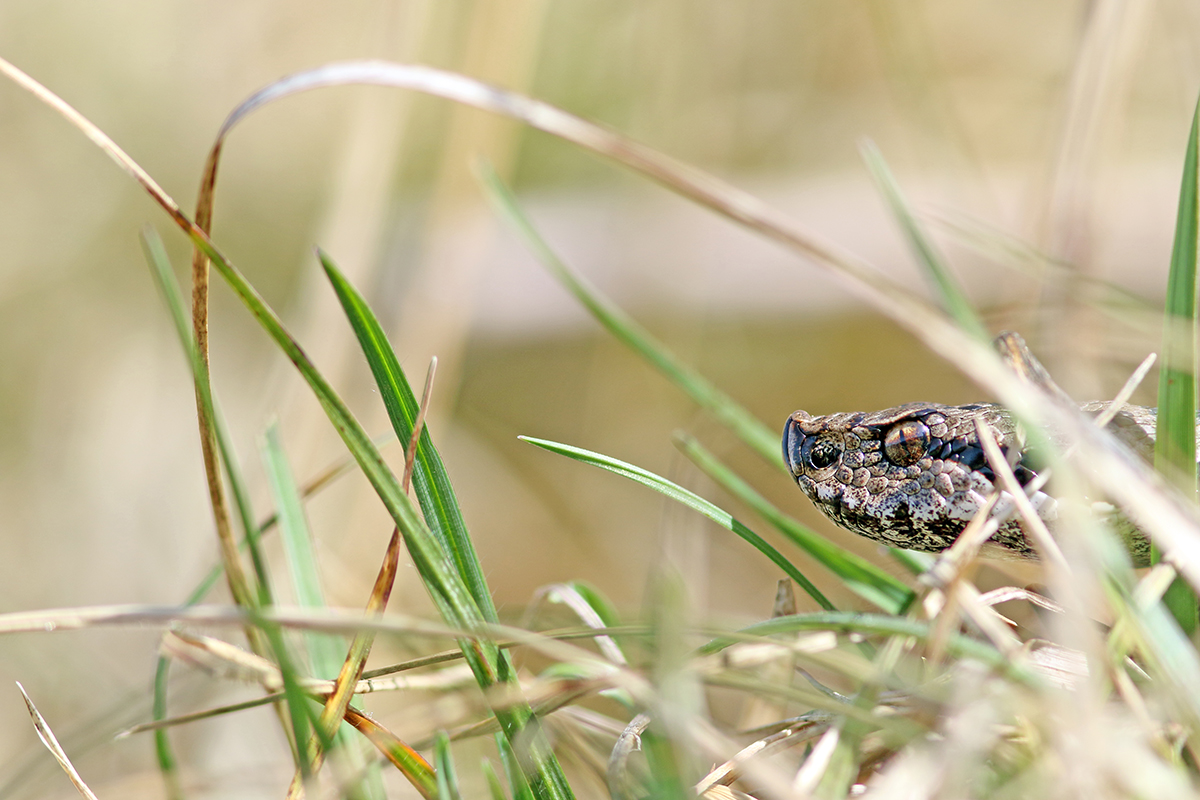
(913, 476)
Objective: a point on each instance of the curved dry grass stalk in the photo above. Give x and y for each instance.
(1161, 512)
(1171, 521)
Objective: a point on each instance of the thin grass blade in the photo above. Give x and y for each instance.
(689, 499)
(443, 763)
(51, 742)
(326, 654)
(495, 788)
(725, 409)
(412, 766)
(518, 786)
(851, 622)
(1175, 444)
(857, 574)
(447, 563)
(953, 298)
(431, 482)
(240, 587)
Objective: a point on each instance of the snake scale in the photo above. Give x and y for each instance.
(914, 476)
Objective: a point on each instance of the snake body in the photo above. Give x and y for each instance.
(914, 476)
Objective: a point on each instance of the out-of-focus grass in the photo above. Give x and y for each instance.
(773, 367)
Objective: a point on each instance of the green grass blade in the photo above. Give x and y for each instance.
(692, 501)
(447, 779)
(916, 563)
(518, 786)
(438, 573)
(164, 278)
(851, 622)
(725, 409)
(325, 652)
(448, 565)
(495, 788)
(857, 574)
(430, 479)
(1175, 445)
(953, 298)
(164, 754)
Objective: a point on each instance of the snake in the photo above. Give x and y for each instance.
(914, 476)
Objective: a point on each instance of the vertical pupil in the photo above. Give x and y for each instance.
(906, 443)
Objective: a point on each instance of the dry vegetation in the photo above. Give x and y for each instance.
(537, 627)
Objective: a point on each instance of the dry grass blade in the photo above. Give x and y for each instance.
(221, 659)
(1173, 523)
(47, 736)
(447, 679)
(235, 574)
(813, 769)
(570, 597)
(627, 743)
(338, 702)
(197, 716)
(352, 669)
(1047, 547)
(681, 178)
(410, 452)
(1122, 397)
(732, 769)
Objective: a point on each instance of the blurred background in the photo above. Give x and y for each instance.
(1042, 144)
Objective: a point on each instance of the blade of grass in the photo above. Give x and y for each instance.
(953, 298)
(495, 788)
(164, 754)
(439, 575)
(443, 764)
(1175, 444)
(857, 574)
(689, 499)
(725, 409)
(339, 701)
(518, 786)
(851, 622)
(325, 653)
(48, 739)
(431, 482)
(239, 584)
(416, 769)
(447, 559)
(1174, 524)
(231, 564)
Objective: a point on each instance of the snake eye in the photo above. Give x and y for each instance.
(906, 443)
(823, 454)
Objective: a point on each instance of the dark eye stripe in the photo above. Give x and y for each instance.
(906, 442)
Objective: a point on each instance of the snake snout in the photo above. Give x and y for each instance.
(792, 437)
(797, 441)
